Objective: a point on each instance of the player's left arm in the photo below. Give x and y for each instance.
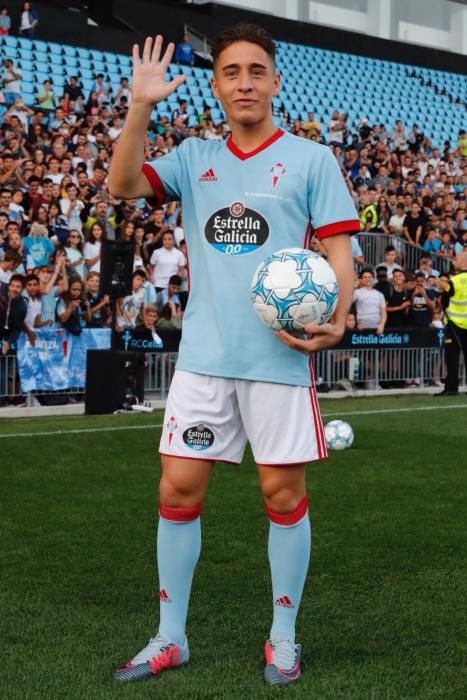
(339, 254)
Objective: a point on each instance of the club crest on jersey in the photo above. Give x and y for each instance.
(236, 229)
(277, 172)
(199, 437)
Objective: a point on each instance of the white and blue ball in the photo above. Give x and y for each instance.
(292, 288)
(338, 434)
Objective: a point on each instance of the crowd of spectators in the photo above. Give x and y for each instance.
(56, 210)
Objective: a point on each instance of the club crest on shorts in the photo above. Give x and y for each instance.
(199, 437)
(236, 229)
(171, 426)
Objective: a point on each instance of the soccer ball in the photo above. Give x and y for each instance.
(338, 434)
(292, 288)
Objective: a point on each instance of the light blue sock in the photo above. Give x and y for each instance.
(289, 550)
(178, 550)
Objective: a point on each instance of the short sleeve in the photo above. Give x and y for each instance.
(61, 307)
(330, 205)
(182, 259)
(88, 251)
(165, 176)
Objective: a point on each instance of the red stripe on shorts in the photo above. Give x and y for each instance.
(317, 420)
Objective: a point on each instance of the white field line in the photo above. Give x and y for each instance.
(151, 426)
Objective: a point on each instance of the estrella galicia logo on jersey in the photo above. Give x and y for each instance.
(199, 437)
(236, 229)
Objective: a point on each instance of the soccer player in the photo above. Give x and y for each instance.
(236, 380)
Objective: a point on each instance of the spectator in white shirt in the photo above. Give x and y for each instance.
(165, 262)
(396, 222)
(369, 303)
(116, 128)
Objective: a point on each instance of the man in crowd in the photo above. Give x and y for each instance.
(454, 300)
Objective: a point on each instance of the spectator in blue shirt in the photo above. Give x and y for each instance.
(5, 22)
(184, 52)
(38, 247)
(432, 242)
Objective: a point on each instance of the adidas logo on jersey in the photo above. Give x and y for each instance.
(208, 176)
(284, 602)
(163, 595)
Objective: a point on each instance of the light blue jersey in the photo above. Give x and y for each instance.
(238, 208)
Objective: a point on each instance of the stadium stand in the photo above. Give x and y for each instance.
(424, 186)
(362, 87)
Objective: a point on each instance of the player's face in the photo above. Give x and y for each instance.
(245, 81)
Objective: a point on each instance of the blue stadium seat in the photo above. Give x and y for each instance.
(69, 50)
(10, 41)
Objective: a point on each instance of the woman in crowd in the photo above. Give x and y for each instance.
(92, 247)
(165, 262)
(75, 254)
(58, 225)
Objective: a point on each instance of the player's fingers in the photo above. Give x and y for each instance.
(177, 81)
(315, 329)
(292, 341)
(167, 57)
(135, 53)
(147, 50)
(156, 52)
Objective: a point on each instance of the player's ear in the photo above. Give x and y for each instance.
(277, 83)
(214, 89)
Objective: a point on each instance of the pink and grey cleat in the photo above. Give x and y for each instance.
(282, 661)
(158, 655)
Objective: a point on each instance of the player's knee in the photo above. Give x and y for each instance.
(282, 500)
(287, 512)
(177, 493)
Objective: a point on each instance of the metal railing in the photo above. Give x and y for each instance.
(374, 243)
(345, 368)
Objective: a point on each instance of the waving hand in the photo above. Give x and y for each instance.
(149, 70)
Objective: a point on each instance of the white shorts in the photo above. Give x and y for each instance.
(212, 418)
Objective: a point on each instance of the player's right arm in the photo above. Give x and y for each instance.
(126, 179)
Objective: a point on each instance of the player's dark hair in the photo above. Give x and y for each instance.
(243, 31)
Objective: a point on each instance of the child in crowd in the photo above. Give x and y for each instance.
(98, 304)
(170, 294)
(50, 290)
(129, 308)
(75, 254)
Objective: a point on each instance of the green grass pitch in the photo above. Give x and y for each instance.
(384, 609)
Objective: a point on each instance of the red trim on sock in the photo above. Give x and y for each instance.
(160, 195)
(289, 518)
(180, 515)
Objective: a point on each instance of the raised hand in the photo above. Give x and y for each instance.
(149, 70)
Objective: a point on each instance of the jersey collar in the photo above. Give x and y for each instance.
(248, 154)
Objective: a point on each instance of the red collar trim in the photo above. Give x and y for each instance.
(244, 155)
